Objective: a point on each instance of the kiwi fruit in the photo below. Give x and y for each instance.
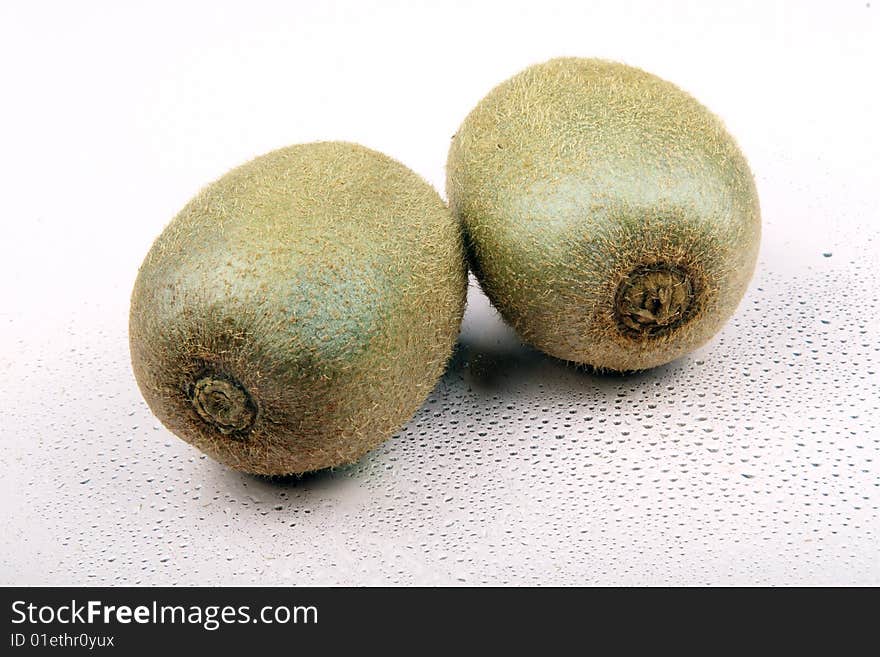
(299, 310)
(609, 217)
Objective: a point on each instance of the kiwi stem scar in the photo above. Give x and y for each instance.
(225, 404)
(653, 300)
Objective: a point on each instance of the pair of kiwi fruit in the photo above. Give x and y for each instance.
(298, 310)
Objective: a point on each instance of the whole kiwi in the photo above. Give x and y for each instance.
(609, 216)
(299, 309)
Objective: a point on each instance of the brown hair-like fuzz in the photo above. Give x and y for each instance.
(610, 218)
(299, 310)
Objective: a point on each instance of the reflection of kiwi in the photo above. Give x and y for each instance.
(299, 310)
(610, 218)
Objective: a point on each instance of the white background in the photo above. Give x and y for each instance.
(752, 461)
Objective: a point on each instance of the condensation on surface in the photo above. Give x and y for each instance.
(753, 460)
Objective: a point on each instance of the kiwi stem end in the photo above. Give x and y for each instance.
(653, 300)
(225, 404)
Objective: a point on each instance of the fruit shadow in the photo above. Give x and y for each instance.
(287, 496)
(314, 479)
(513, 370)
(490, 358)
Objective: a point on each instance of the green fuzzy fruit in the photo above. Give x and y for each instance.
(299, 309)
(610, 217)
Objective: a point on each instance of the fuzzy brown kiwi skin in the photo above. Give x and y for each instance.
(279, 322)
(610, 218)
